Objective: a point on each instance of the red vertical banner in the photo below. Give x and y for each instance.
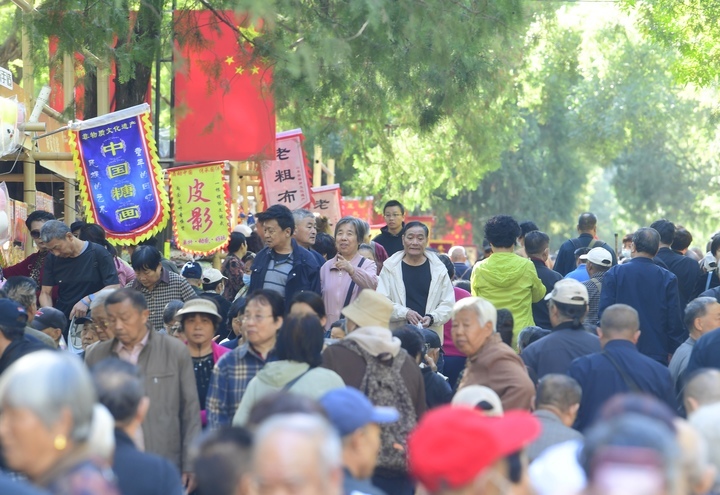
(326, 202)
(285, 180)
(226, 109)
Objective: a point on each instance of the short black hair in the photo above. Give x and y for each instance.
(580, 251)
(268, 298)
(145, 258)
(301, 339)
(682, 239)
(414, 224)
(223, 457)
(171, 310)
(502, 231)
(526, 227)
(119, 387)
(575, 312)
(715, 244)
(38, 216)
(212, 285)
(536, 242)
(281, 214)
(92, 232)
(411, 340)
(77, 225)
(150, 241)
(394, 202)
(325, 245)
(312, 299)
(135, 297)
(666, 229)
(528, 335)
(647, 240)
(586, 221)
(504, 325)
(448, 264)
(254, 242)
(237, 240)
(236, 308)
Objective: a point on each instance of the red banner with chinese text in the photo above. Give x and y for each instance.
(326, 203)
(200, 213)
(286, 180)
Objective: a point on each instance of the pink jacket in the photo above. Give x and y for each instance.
(336, 283)
(448, 345)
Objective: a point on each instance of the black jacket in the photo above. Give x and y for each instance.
(437, 389)
(565, 261)
(139, 473)
(18, 348)
(305, 275)
(687, 272)
(391, 243)
(548, 277)
(223, 308)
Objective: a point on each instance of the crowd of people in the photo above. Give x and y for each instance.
(319, 363)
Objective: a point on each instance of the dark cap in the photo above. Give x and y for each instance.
(49, 318)
(192, 269)
(12, 314)
(432, 339)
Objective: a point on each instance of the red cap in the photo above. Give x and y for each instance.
(452, 445)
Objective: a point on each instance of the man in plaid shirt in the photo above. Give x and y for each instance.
(232, 374)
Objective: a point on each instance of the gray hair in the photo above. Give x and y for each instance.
(705, 421)
(560, 391)
(101, 442)
(47, 383)
(697, 308)
(483, 308)
(22, 290)
(53, 229)
(703, 386)
(100, 298)
(301, 214)
(355, 222)
(634, 431)
(313, 427)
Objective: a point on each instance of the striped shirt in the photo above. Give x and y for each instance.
(594, 288)
(277, 273)
(230, 378)
(170, 286)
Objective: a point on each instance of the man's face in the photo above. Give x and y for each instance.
(305, 231)
(35, 234)
(128, 323)
(147, 277)
(393, 217)
(415, 241)
(710, 321)
(369, 449)
(289, 464)
(62, 248)
(273, 235)
(53, 333)
(100, 319)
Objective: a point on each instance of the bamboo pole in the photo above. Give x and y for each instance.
(233, 193)
(29, 195)
(69, 202)
(331, 171)
(317, 166)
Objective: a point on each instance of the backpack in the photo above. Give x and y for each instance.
(593, 243)
(384, 386)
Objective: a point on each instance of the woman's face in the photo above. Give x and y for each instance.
(259, 325)
(35, 234)
(28, 445)
(467, 333)
(237, 325)
(346, 241)
(199, 328)
(149, 278)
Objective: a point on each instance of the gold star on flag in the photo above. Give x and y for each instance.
(239, 70)
(248, 33)
(230, 60)
(255, 69)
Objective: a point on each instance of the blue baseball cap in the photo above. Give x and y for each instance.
(348, 410)
(12, 314)
(192, 269)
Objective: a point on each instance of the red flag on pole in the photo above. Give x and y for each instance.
(225, 108)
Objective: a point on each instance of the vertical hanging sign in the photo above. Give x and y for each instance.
(285, 180)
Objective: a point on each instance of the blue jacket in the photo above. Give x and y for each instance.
(687, 271)
(705, 353)
(139, 473)
(305, 275)
(653, 292)
(565, 261)
(600, 380)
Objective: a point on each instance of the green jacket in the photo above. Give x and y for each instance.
(276, 374)
(511, 282)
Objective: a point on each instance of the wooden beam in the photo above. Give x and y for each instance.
(68, 80)
(331, 171)
(103, 89)
(38, 178)
(317, 166)
(69, 201)
(29, 196)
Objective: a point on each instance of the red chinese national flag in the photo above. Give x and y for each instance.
(225, 103)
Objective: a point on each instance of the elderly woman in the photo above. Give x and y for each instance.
(489, 361)
(297, 370)
(199, 319)
(46, 417)
(345, 275)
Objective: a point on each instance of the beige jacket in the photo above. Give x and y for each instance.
(173, 420)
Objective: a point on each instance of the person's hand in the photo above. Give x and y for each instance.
(413, 317)
(188, 481)
(431, 363)
(343, 264)
(426, 321)
(79, 310)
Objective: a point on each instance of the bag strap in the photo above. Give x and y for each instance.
(631, 384)
(709, 278)
(292, 382)
(352, 285)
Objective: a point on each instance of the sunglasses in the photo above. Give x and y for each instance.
(35, 234)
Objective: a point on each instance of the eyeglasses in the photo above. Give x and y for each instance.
(35, 234)
(256, 318)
